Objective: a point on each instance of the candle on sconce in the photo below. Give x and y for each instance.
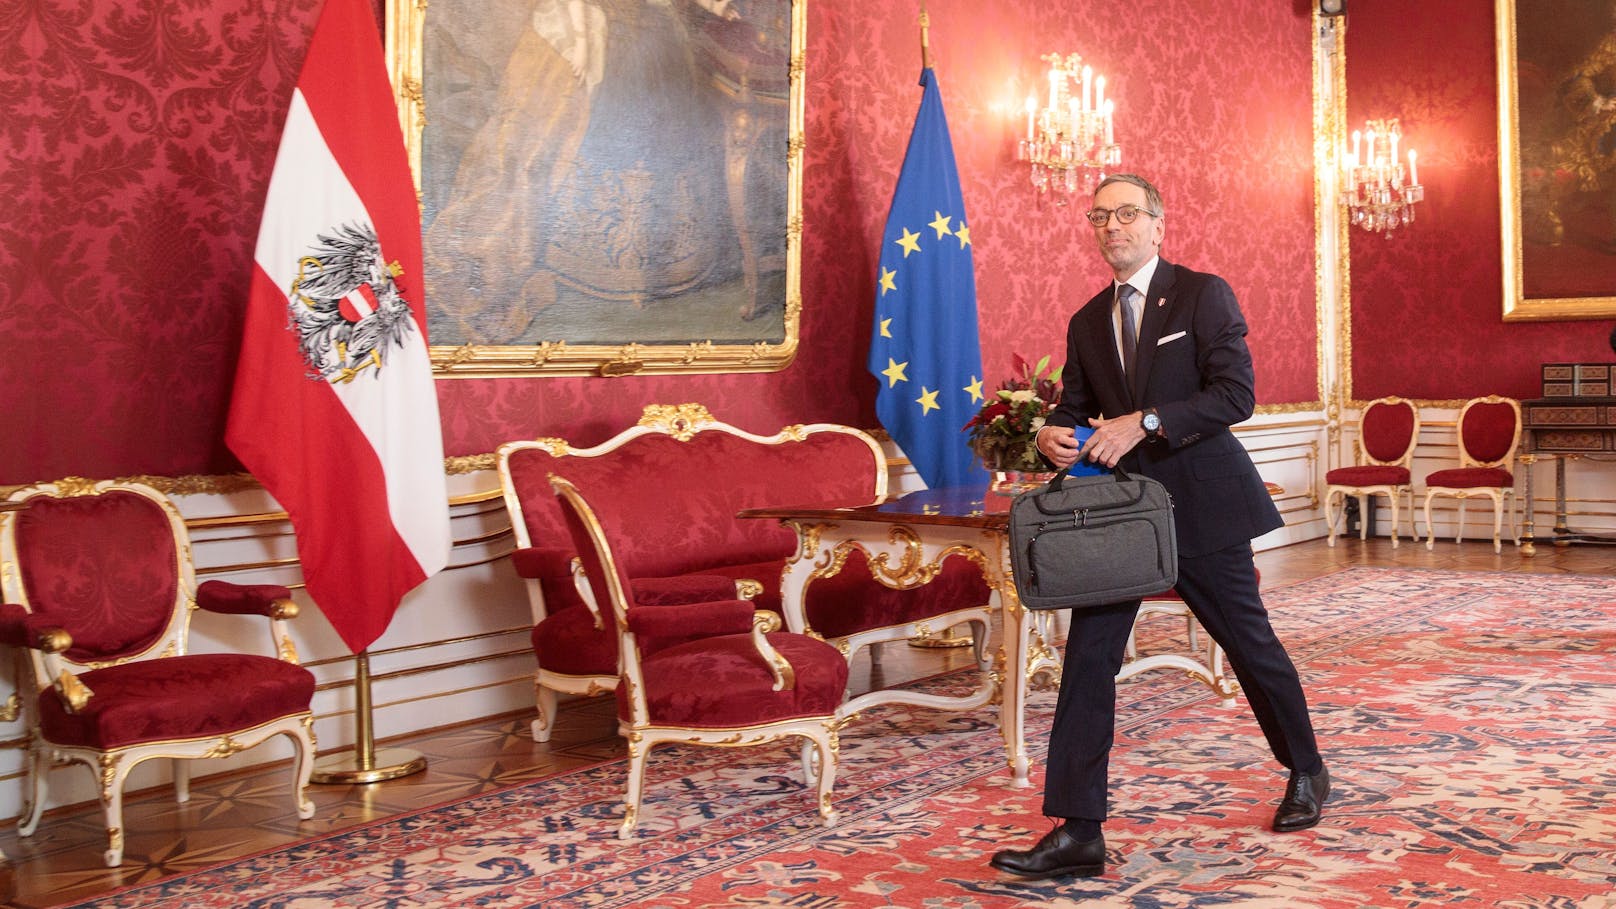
(1032, 108)
(1369, 141)
(1357, 147)
(1099, 92)
(1395, 136)
(1413, 173)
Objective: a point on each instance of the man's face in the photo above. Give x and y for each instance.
(1126, 247)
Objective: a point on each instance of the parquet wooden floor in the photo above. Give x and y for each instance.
(242, 814)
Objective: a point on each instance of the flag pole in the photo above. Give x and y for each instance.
(925, 38)
(948, 639)
(366, 764)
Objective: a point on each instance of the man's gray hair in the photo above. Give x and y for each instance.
(1153, 198)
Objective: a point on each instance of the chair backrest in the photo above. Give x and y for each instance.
(678, 478)
(1489, 432)
(109, 562)
(1388, 431)
(606, 580)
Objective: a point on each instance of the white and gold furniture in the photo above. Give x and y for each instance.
(99, 592)
(1489, 433)
(707, 673)
(1388, 432)
(674, 483)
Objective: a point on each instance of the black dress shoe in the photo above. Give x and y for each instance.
(1056, 855)
(1304, 801)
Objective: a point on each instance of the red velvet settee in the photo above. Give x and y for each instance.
(672, 485)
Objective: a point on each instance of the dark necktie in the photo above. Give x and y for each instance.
(1126, 296)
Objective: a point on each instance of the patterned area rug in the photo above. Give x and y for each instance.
(1469, 720)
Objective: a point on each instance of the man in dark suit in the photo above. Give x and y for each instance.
(1157, 364)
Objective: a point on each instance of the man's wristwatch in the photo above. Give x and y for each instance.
(1150, 422)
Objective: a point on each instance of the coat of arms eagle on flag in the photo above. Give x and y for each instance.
(346, 305)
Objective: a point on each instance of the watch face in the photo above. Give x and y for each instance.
(1151, 422)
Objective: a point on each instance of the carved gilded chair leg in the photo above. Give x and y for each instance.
(638, 754)
(545, 698)
(1458, 534)
(182, 780)
(829, 746)
(113, 773)
(1333, 513)
(1430, 528)
(39, 767)
(303, 748)
(1392, 499)
(1498, 523)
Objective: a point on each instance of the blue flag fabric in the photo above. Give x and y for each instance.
(924, 348)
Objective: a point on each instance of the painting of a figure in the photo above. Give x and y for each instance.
(1564, 79)
(605, 172)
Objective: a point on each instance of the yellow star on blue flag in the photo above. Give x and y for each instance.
(925, 309)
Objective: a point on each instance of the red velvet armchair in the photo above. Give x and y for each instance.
(1489, 433)
(1388, 432)
(708, 673)
(99, 593)
(674, 484)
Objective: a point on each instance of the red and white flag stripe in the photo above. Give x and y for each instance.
(355, 454)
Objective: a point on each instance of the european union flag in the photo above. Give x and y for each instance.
(924, 347)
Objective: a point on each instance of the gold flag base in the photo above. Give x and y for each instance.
(366, 764)
(386, 764)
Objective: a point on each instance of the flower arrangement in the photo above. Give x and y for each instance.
(1003, 432)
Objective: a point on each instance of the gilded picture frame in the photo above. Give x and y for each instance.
(1557, 158)
(592, 213)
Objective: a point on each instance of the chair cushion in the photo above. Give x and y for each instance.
(569, 643)
(1387, 430)
(1489, 431)
(1471, 478)
(120, 539)
(176, 698)
(1371, 475)
(723, 682)
(853, 601)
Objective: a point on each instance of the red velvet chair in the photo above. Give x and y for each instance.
(1489, 433)
(711, 673)
(676, 480)
(1388, 432)
(100, 591)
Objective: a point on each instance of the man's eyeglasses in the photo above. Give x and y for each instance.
(1126, 214)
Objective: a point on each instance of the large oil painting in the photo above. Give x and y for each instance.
(607, 186)
(1557, 161)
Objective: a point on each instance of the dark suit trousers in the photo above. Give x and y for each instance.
(1221, 590)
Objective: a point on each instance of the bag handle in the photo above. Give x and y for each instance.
(1060, 477)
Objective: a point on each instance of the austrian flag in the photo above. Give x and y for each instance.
(334, 409)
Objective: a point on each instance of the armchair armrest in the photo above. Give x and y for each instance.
(686, 621)
(271, 601)
(763, 622)
(689, 588)
(21, 628)
(557, 570)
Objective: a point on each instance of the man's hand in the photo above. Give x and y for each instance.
(1113, 438)
(1058, 444)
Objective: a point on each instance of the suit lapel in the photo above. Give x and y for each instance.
(1156, 304)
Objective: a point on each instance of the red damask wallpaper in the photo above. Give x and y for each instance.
(145, 134)
(1427, 303)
